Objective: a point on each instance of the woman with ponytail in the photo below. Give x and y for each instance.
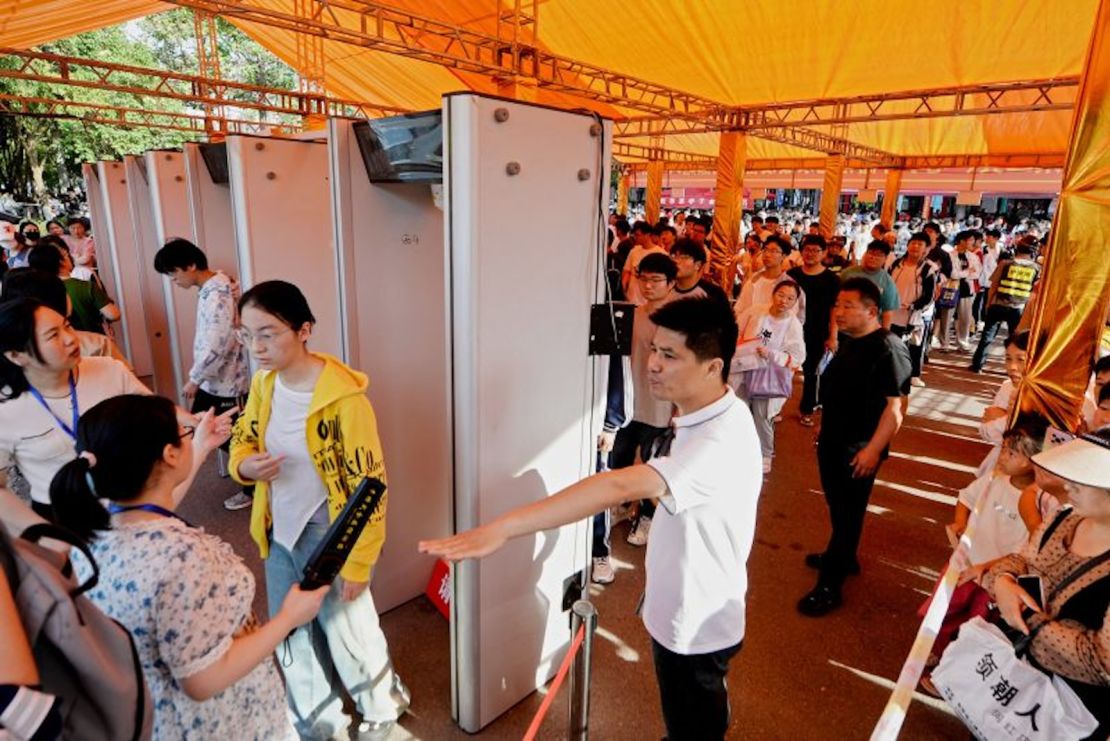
(45, 385)
(184, 594)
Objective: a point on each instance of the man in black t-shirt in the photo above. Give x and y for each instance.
(861, 396)
(820, 286)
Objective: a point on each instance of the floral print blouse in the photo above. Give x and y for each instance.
(184, 595)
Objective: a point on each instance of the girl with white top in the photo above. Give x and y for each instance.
(306, 439)
(183, 594)
(45, 386)
(770, 335)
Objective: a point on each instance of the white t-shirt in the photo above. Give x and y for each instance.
(33, 441)
(701, 537)
(297, 495)
(999, 529)
(992, 431)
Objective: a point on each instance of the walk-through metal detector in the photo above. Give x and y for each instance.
(118, 259)
(144, 229)
(281, 211)
(169, 204)
(526, 189)
(393, 294)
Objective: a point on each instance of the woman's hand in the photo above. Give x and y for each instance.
(1011, 600)
(261, 467)
(348, 589)
(212, 431)
(299, 606)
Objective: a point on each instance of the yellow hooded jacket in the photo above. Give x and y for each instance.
(342, 438)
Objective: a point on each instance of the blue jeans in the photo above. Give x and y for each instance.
(343, 651)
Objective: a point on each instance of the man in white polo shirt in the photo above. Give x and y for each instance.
(707, 476)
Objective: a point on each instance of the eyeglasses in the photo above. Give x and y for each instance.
(264, 338)
(652, 279)
(189, 432)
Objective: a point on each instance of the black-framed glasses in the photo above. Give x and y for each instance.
(189, 432)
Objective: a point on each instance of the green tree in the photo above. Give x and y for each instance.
(40, 154)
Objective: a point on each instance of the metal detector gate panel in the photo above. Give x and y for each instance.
(395, 331)
(281, 208)
(525, 189)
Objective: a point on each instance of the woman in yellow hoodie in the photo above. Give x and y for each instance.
(305, 440)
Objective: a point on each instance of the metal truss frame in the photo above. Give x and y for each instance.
(1056, 94)
(199, 123)
(688, 162)
(203, 92)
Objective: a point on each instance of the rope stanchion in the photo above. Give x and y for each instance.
(576, 644)
(894, 714)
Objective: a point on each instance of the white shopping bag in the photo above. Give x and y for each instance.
(1000, 696)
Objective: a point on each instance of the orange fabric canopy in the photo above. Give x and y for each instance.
(736, 52)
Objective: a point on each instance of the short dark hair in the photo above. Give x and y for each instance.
(283, 300)
(1102, 365)
(782, 242)
(790, 283)
(40, 285)
(816, 239)
(771, 220)
(1104, 394)
(1024, 248)
(1020, 340)
(879, 245)
(965, 234)
(82, 220)
(665, 228)
(919, 237)
(179, 253)
(703, 221)
(659, 264)
(642, 227)
(757, 219)
(622, 226)
(690, 248)
(1026, 436)
(993, 233)
(869, 293)
(931, 225)
(708, 327)
(46, 256)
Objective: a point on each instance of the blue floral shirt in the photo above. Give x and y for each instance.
(184, 595)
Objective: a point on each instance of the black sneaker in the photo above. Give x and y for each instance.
(813, 560)
(820, 602)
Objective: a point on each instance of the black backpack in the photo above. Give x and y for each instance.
(85, 659)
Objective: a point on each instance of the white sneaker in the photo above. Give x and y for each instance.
(239, 501)
(767, 465)
(915, 381)
(639, 534)
(603, 571)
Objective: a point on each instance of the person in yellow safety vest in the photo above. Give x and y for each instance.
(1011, 286)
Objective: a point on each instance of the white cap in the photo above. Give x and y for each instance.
(1084, 460)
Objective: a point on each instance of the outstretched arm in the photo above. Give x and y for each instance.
(576, 502)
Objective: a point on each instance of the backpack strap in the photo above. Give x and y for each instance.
(1060, 517)
(35, 533)
(1078, 573)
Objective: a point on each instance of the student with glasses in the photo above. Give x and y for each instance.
(306, 439)
(184, 594)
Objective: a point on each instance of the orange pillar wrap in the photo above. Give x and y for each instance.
(890, 197)
(830, 193)
(927, 208)
(725, 237)
(653, 199)
(1075, 286)
(624, 183)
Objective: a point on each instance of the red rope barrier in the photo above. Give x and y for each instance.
(576, 644)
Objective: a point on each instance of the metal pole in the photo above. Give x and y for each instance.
(582, 613)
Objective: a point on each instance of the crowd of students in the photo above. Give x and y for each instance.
(688, 437)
